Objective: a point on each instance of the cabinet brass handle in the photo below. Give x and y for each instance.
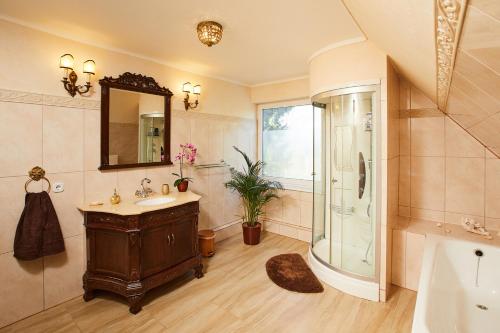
(168, 237)
(173, 239)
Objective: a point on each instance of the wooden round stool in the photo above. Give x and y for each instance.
(206, 240)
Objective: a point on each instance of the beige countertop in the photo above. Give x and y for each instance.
(128, 205)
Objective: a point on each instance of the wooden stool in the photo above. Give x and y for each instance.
(206, 240)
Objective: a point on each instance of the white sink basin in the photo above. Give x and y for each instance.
(155, 201)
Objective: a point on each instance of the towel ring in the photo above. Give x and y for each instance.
(36, 174)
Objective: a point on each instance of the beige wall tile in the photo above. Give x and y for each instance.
(180, 134)
(63, 273)
(62, 139)
(21, 294)
(427, 134)
(92, 139)
(215, 214)
(305, 236)
(459, 143)
(21, 137)
(405, 135)
(492, 200)
(419, 100)
(404, 95)
(200, 132)
(404, 211)
(99, 185)
(457, 218)
(272, 227)
(427, 182)
(427, 214)
(274, 209)
(203, 217)
(162, 175)
(413, 254)
(216, 141)
(291, 210)
(492, 224)
(393, 185)
(66, 203)
(465, 185)
(306, 212)
(11, 205)
(404, 180)
(398, 257)
(129, 181)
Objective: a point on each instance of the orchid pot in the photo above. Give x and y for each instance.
(186, 156)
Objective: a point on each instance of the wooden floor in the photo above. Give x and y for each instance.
(234, 296)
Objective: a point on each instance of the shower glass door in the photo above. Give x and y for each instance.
(344, 237)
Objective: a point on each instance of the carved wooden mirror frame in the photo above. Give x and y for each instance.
(139, 83)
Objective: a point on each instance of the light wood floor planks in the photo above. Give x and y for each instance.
(234, 296)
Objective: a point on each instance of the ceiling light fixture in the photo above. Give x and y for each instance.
(209, 32)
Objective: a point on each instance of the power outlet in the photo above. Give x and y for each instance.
(58, 187)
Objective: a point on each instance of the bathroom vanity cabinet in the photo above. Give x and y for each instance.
(131, 254)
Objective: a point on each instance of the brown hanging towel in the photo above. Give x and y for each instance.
(38, 232)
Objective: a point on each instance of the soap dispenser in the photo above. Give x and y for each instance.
(115, 198)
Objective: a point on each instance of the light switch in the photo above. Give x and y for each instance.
(58, 187)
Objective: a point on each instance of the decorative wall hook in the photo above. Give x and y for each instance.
(189, 89)
(69, 80)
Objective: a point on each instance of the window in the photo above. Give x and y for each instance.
(286, 143)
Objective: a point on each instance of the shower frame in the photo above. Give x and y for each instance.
(376, 174)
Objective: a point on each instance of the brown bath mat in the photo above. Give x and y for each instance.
(291, 272)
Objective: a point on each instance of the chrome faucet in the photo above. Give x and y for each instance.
(146, 191)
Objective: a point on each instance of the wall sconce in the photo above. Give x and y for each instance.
(69, 80)
(188, 88)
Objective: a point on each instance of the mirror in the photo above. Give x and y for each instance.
(135, 122)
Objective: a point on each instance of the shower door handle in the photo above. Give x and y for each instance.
(362, 176)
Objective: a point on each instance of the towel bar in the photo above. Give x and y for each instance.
(222, 164)
(36, 174)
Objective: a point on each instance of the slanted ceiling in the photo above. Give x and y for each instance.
(474, 96)
(404, 29)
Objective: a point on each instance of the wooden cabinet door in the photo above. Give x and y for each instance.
(156, 249)
(184, 238)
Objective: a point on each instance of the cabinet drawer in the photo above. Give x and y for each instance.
(169, 215)
(110, 221)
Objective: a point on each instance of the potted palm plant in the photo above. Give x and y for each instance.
(255, 191)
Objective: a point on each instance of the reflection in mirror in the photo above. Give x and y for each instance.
(136, 127)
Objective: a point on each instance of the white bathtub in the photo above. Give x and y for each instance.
(449, 299)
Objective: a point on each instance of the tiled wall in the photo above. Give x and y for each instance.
(291, 215)
(65, 142)
(445, 174)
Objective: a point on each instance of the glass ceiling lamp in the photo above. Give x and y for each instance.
(209, 32)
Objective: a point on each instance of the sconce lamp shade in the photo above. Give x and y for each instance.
(187, 87)
(197, 89)
(89, 67)
(66, 61)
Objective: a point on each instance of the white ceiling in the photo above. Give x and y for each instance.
(263, 41)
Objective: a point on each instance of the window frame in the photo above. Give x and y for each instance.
(288, 183)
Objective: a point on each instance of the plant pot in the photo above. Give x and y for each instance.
(183, 186)
(251, 234)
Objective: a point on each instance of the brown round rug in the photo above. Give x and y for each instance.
(291, 272)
